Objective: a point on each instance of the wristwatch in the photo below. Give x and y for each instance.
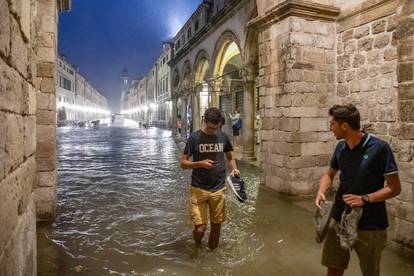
(365, 199)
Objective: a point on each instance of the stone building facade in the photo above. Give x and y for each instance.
(215, 63)
(163, 89)
(148, 99)
(140, 102)
(316, 53)
(299, 58)
(28, 39)
(76, 98)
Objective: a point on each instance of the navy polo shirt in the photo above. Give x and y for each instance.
(362, 170)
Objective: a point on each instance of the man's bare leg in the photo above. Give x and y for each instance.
(335, 272)
(198, 233)
(214, 238)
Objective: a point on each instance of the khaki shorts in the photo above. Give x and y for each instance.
(200, 199)
(369, 247)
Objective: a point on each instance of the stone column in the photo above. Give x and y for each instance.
(46, 33)
(196, 110)
(248, 142)
(404, 220)
(174, 116)
(183, 117)
(297, 74)
(213, 94)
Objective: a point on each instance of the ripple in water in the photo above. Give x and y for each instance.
(123, 202)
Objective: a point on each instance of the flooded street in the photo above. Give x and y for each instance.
(123, 210)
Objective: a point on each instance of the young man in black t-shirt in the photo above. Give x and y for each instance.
(207, 147)
(365, 162)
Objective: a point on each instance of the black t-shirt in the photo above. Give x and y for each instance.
(202, 146)
(362, 172)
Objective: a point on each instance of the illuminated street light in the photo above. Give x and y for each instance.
(82, 108)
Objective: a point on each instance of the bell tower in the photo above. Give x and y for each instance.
(125, 85)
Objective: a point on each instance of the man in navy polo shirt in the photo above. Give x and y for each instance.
(365, 162)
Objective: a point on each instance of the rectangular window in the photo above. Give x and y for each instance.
(189, 33)
(166, 85)
(67, 84)
(196, 26)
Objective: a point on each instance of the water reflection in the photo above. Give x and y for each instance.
(123, 210)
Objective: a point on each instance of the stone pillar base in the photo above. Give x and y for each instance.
(248, 156)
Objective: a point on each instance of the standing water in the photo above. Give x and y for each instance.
(123, 210)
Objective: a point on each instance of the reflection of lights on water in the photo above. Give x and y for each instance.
(140, 108)
(130, 123)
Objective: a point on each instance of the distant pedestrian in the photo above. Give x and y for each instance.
(178, 125)
(236, 125)
(359, 213)
(207, 148)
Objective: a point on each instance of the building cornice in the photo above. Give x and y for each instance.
(366, 12)
(304, 9)
(211, 26)
(64, 5)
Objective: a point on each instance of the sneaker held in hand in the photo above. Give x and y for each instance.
(238, 187)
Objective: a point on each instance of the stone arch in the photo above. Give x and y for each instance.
(186, 75)
(175, 80)
(251, 49)
(201, 61)
(200, 98)
(227, 88)
(226, 38)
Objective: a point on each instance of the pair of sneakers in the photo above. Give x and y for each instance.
(238, 187)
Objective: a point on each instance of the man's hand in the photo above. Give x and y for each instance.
(353, 200)
(207, 164)
(319, 198)
(235, 172)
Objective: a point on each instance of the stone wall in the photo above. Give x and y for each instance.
(17, 140)
(374, 71)
(404, 204)
(310, 58)
(27, 128)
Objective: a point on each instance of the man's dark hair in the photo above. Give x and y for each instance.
(213, 115)
(346, 114)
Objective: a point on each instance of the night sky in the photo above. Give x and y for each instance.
(104, 36)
